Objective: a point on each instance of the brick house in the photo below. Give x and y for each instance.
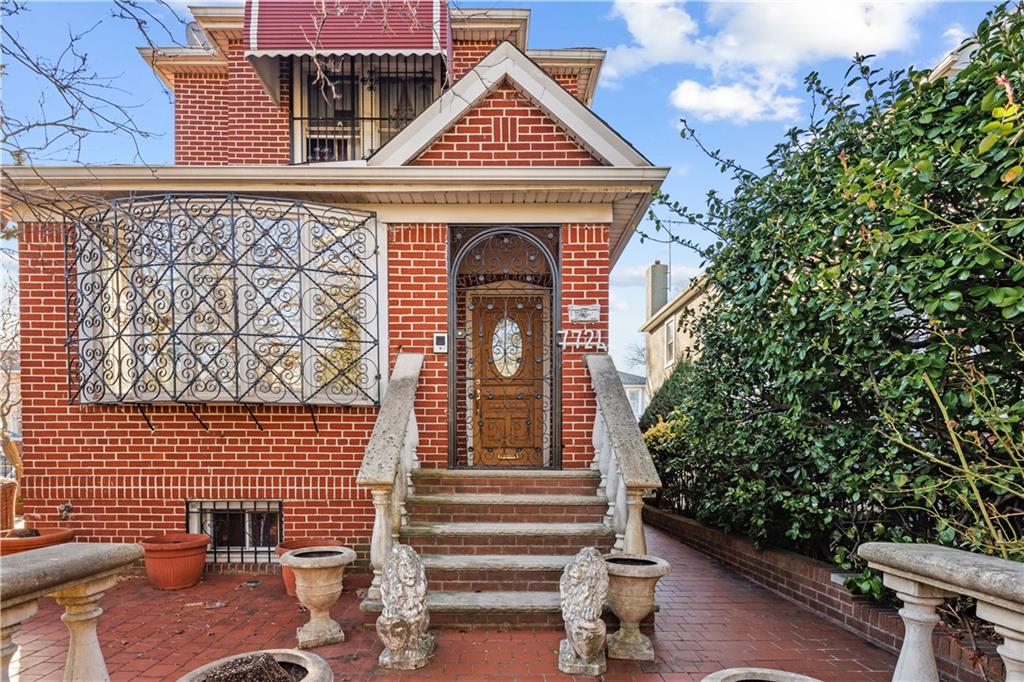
(368, 301)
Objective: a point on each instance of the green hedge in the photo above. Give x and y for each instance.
(665, 399)
(861, 371)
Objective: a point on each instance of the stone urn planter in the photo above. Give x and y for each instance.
(23, 539)
(631, 581)
(288, 545)
(319, 572)
(300, 665)
(175, 561)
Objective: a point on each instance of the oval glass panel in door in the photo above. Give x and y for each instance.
(507, 347)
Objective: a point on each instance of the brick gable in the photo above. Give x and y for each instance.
(505, 129)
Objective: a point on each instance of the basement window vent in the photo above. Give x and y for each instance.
(243, 531)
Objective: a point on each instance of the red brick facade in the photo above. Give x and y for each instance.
(467, 54)
(505, 129)
(126, 481)
(222, 121)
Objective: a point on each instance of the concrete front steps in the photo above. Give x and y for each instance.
(494, 542)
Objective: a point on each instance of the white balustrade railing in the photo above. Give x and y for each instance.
(627, 469)
(76, 575)
(390, 459)
(923, 576)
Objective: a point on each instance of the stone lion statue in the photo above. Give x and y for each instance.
(583, 589)
(404, 620)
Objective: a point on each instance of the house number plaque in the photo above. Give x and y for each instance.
(584, 314)
(582, 340)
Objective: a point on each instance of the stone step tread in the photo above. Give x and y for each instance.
(506, 473)
(455, 528)
(507, 498)
(499, 562)
(484, 602)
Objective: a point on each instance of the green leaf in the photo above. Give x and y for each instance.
(988, 142)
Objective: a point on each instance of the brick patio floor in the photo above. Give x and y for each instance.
(710, 619)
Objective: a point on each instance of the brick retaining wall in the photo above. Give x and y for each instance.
(810, 584)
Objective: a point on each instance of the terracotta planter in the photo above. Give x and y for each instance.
(46, 537)
(631, 581)
(175, 561)
(294, 661)
(287, 574)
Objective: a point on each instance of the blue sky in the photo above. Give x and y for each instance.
(734, 70)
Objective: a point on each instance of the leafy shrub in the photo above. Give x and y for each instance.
(665, 399)
(861, 372)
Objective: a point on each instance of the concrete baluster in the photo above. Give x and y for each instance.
(917, 656)
(81, 613)
(11, 618)
(382, 538)
(1009, 624)
(635, 542)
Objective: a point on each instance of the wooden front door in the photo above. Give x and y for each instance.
(508, 334)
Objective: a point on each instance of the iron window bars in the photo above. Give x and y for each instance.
(242, 530)
(346, 107)
(222, 298)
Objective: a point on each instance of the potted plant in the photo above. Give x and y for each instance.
(631, 581)
(175, 561)
(287, 574)
(23, 539)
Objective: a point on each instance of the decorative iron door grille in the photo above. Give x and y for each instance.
(214, 298)
(504, 383)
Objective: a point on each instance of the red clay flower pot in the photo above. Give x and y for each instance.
(46, 537)
(175, 561)
(288, 545)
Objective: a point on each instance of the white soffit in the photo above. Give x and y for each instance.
(506, 61)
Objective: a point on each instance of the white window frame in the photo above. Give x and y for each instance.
(670, 341)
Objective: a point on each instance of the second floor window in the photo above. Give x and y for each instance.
(345, 108)
(670, 341)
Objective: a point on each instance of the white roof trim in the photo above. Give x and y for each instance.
(506, 61)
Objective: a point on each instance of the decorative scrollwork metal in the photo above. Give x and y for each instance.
(222, 298)
(503, 363)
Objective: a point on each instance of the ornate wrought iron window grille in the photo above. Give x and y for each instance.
(223, 298)
(243, 531)
(346, 107)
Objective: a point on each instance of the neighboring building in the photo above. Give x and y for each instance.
(423, 184)
(636, 391)
(667, 341)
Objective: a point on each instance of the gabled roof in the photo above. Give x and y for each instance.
(628, 379)
(506, 62)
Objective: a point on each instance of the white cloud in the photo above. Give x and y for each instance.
(663, 33)
(738, 103)
(955, 35)
(754, 49)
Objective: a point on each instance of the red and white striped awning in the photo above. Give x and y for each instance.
(276, 29)
(279, 28)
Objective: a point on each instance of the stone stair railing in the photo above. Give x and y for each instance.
(76, 575)
(923, 576)
(390, 460)
(627, 469)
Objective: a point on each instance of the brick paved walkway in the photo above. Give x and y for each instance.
(710, 619)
